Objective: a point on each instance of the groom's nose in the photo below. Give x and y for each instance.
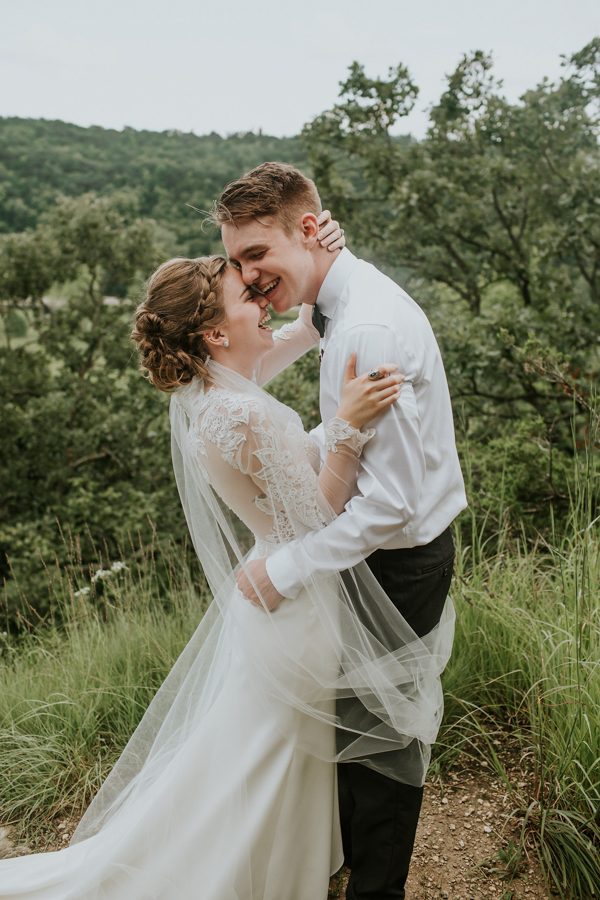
(250, 273)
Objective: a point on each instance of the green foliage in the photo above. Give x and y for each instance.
(490, 219)
(86, 453)
(163, 173)
(523, 686)
(86, 460)
(519, 481)
(493, 216)
(72, 696)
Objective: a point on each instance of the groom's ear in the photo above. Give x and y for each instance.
(310, 229)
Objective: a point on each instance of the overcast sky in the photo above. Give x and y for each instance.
(238, 65)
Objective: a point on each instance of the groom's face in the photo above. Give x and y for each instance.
(280, 264)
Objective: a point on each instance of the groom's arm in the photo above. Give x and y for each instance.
(389, 481)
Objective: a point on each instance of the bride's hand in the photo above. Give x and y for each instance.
(364, 398)
(330, 235)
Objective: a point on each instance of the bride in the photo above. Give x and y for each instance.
(227, 788)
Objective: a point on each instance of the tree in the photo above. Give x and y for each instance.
(494, 213)
(85, 450)
(493, 222)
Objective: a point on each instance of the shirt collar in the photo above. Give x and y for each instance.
(335, 281)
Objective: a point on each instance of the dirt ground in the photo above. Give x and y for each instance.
(464, 849)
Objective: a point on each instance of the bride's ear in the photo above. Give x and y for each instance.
(215, 338)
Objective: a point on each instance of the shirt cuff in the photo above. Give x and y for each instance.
(283, 573)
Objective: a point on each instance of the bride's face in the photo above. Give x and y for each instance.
(280, 264)
(245, 327)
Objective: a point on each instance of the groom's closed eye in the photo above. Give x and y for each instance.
(254, 251)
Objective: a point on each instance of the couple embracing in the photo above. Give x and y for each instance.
(293, 733)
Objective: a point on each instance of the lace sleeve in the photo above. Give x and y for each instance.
(344, 444)
(260, 468)
(339, 432)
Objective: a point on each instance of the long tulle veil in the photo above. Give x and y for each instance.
(375, 683)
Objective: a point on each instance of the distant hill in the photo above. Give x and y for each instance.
(163, 171)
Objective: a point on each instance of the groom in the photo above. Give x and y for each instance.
(410, 486)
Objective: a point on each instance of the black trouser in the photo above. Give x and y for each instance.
(378, 814)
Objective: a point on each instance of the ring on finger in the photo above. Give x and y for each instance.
(375, 375)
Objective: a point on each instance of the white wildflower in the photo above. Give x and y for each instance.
(118, 566)
(82, 592)
(101, 574)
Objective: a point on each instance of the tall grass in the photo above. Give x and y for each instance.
(71, 694)
(522, 689)
(525, 677)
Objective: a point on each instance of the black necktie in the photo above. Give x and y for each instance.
(319, 320)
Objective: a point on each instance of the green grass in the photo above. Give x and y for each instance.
(523, 694)
(522, 688)
(70, 696)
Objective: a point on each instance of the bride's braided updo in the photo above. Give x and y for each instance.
(183, 300)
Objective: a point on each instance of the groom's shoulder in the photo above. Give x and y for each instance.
(368, 271)
(375, 297)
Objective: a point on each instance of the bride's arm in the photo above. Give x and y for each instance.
(290, 342)
(362, 400)
(238, 433)
(337, 478)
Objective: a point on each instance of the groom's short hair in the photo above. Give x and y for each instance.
(271, 189)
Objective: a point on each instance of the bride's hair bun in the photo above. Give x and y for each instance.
(183, 301)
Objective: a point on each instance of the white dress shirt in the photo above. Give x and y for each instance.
(410, 485)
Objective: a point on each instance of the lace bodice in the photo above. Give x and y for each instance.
(259, 460)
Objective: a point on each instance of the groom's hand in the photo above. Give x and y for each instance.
(256, 586)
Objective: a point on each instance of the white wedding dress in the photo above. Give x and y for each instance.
(240, 811)
(227, 789)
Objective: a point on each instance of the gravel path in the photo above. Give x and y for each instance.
(465, 849)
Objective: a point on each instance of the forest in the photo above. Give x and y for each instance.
(492, 222)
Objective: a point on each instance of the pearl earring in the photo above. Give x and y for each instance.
(226, 343)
